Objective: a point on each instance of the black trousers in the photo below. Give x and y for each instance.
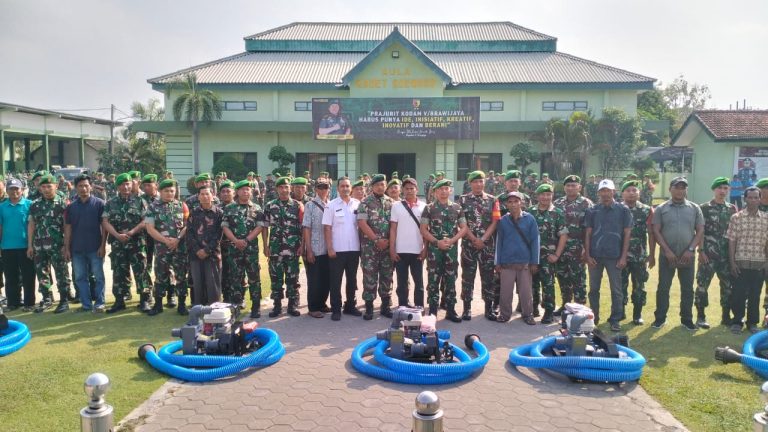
(345, 263)
(206, 274)
(318, 282)
(410, 262)
(746, 289)
(16, 265)
(685, 276)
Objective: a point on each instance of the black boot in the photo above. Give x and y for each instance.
(433, 309)
(118, 306)
(182, 308)
(495, 306)
(467, 314)
(386, 308)
(171, 301)
(451, 315)
(292, 308)
(442, 302)
(637, 318)
(128, 296)
(368, 315)
(350, 309)
(277, 310)
(45, 303)
(62, 307)
(255, 309)
(701, 320)
(547, 318)
(144, 303)
(726, 317)
(489, 313)
(158, 307)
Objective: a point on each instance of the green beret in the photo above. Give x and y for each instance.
(226, 184)
(431, 176)
(378, 178)
(632, 176)
(169, 172)
(39, 174)
(299, 181)
(720, 181)
(167, 183)
(395, 174)
(763, 182)
(324, 173)
(443, 182)
(513, 174)
(47, 179)
(366, 175)
(545, 175)
(573, 178)
(394, 181)
(122, 178)
(534, 175)
(407, 176)
(630, 183)
(203, 177)
(149, 178)
(135, 175)
(440, 173)
(359, 183)
(282, 181)
(544, 187)
(251, 174)
(243, 183)
(474, 175)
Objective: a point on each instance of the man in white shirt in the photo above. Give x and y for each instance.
(343, 242)
(406, 246)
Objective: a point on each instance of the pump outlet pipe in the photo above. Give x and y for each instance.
(749, 358)
(14, 337)
(601, 369)
(202, 368)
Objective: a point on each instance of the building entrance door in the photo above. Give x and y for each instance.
(403, 163)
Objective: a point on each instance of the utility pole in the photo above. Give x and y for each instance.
(111, 126)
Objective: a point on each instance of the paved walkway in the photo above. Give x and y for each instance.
(315, 388)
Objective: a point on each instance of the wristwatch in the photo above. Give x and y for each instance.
(691, 249)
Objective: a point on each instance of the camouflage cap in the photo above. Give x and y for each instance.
(533, 174)
(167, 183)
(38, 174)
(203, 177)
(227, 184)
(122, 178)
(475, 175)
(394, 181)
(251, 174)
(431, 176)
(359, 183)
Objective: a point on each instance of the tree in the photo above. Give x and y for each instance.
(684, 98)
(195, 105)
(233, 167)
(523, 155)
(282, 158)
(152, 111)
(642, 166)
(137, 150)
(617, 139)
(651, 105)
(569, 140)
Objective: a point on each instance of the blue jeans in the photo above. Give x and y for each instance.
(83, 264)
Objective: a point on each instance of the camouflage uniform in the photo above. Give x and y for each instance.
(48, 216)
(100, 193)
(500, 188)
(149, 241)
(590, 190)
(241, 219)
(427, 189)
(377, 265)
(716, 219)
(169, 219)
(646, 196)
(552, 225)
(193, 202)
(284, 220)
(571, 272)
(124, 215)
(637, 255)
(271, 192)
(110, 189)
(443, 221)
(490, 186)
(480, 211)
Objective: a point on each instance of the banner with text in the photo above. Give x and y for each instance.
(396, 118)
(751, 163)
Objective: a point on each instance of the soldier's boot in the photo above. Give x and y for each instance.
(350, 309)
(158, 307)
(467, 314)
(386, 307)
(144, 303)
(433, 309)
(182, 307)
(255, 309)
(128, 296)
(277, 309)
(701, 320)
(442, 302)
(45, 303)
(171, 300)
(63, 306)
(496, 303)
(547, 318)
(451, 314)
(368, 315)
(489, 313)
(726, 317)
(118, 306)
(637, 315)
(293, 308)
(536, 311)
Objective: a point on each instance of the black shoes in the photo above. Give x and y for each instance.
(368, 315)
(451, 315)
(158, 307)
(386, 308)
(118, 306)
(144, 303)
(489, 313)
(558, 311)
(547, 318)
(658, 323)
(689, 325)
(171, 301)
(182, 307)
(62, 307)
(350, 309)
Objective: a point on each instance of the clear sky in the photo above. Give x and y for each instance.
(88, 54)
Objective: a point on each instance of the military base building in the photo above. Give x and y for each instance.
(415, 98)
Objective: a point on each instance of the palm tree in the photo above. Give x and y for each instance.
(195, 105)
(568, 140)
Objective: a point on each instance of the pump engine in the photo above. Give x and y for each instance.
(413, 336)
(215, 329)
(579, 337)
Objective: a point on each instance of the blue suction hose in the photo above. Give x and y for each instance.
(603, 369)
(400, 371)
(749, 357)
(14, 337)
(181, 366)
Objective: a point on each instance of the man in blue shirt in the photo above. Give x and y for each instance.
(84, 242)
(606, 246)
(14, 214)
(737, 188)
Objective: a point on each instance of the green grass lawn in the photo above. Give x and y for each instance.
(42, 384)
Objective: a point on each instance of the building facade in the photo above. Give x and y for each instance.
(518, 74)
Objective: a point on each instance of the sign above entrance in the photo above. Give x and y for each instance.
(396, 118)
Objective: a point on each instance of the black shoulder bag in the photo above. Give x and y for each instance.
(410, 212)
(520, 231)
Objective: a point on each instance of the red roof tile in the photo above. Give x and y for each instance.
(734, 125)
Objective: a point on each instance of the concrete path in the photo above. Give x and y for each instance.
(315, 388)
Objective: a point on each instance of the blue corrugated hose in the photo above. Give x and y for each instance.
(181, 366)
(749, 358)
(603, 369)
(14, 337)
(395, 370)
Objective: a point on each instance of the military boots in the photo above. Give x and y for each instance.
(467, 314)
(368, 315)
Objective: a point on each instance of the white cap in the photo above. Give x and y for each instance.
(606, 184)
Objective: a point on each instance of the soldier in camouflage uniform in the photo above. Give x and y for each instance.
(284, 247)
(478, 247)
(442, 225)
(227, 197)
(713, 254)
(33, 193)
(165, 220)
(373, 216)
(500, 186)
(428, 183)
(123, 219)
(553, 236)
(642, 249)
(262, 190)
(201, 180)
(571, 273)
(270, 193)
(45, 241)
(646, 194)
(490, 184)
(299, 190)
(531, 184)
(512, 182)
(242, 224)
(100, 186)
(590, 190)
(310, 187)
(110, 187)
